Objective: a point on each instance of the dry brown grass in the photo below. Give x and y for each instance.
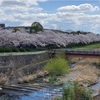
(32, 77)
(87, 68)
(90, 60)
(3, 78)
(26, 79)
(85, 60)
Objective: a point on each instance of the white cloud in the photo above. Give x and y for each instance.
(64, 18)
(80, 8)
(1, 12)
(22, 9)
(20, 2)
(12, 3)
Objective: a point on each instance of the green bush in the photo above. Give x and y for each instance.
(7, 50)
(76, 92)
(28, 50)
(53, 79)
(81, 93)
(22, 50)
(1, 49)
(57, 66)
(60, 55)
(15, 50)
(57, 98)
(68, 94)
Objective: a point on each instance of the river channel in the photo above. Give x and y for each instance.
(42, 94)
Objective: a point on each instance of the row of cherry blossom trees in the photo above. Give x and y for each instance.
(9, 38)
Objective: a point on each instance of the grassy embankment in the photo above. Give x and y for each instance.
(88, 46)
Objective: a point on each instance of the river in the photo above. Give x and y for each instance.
(96, 88)
(42, 94)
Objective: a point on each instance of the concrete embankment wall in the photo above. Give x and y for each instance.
(27, 63)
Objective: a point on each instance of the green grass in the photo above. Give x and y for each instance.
(89, 46)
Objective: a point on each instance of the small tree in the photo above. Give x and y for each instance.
(36, 26)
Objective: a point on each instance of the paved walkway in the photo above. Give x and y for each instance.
(21, 53)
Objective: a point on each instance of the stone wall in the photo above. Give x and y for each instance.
(32, 68)
(9, 63)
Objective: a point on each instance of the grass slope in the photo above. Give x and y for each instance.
(89, 46)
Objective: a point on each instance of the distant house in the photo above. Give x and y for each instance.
(26, 28)
(2, 25)
(22, 28)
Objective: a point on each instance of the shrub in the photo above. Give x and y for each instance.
(1, 49)
(7, 50)
(22, 50)
(68, 94)
(57, 98)
(81, 93)
(60, 55)
(76, 92)
(57, 66)
(53, 79)
(27, 49)
(15, 50)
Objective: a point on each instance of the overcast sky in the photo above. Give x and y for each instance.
(55, 14)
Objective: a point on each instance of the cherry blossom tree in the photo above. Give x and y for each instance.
(47, 37)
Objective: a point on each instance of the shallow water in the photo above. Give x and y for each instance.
(96, 88)
(42, 94)
(45, 93)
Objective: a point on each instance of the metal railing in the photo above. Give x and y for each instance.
(21, 53)
(75, 51)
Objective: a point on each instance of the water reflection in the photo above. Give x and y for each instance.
(10, 97)
(43, 94)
